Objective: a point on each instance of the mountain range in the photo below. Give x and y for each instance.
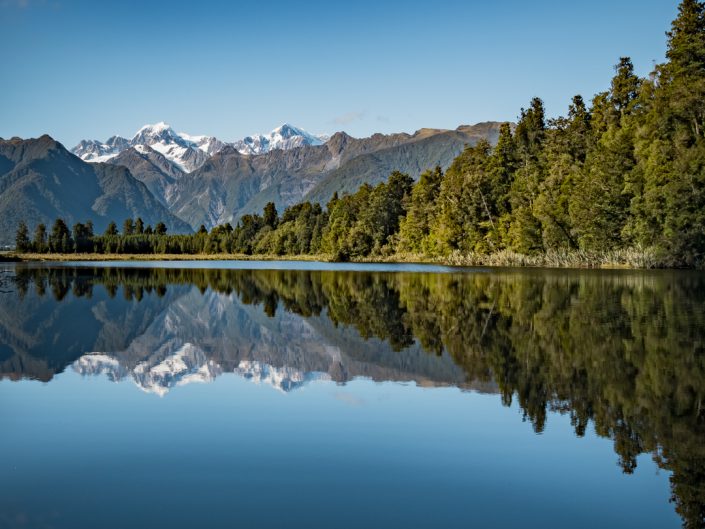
(187, 180)
(41, 181)
(188, 152)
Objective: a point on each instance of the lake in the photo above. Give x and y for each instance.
(314, 395)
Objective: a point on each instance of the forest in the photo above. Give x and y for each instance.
(621, 175)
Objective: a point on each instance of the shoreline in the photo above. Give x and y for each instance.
(631, 259)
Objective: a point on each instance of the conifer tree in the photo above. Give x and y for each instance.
(111, 229)
(39, 240)
(415, 227)
(524, 232)
(60, 238)
(128, 227)
(669, 207)
(22, 243)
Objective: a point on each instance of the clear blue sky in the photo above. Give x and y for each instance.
(90, 69)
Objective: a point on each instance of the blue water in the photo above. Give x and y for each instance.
(202, 407)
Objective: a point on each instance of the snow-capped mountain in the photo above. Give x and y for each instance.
(185, 154)
(208, 144)
(285, 137)
(189, 152)
(95, 151)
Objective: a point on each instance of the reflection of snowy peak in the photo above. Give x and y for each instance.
(158, 373)
(199, 336)
(183, 366)
(189, 364)
(282, 378)
(100, 364)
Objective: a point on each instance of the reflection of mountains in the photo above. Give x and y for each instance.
(186, 336)
(40, 337)
(199, 336)
(621, 351)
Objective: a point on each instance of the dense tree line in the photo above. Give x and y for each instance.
(626, 171)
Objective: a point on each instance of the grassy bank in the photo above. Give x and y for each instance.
(164, 257)
(628, 258)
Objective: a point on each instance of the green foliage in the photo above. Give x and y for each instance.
(524, 229)
(415, 227)
(128, 227)
(39, 241)
(83, 236)
(271, 216)
(22, 242)
(111, 229)
(366, 222)
(60, 238)
(468, 215)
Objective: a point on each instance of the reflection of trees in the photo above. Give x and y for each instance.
(625, 351)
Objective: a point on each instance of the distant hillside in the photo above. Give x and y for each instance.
(231, 184)
(152, 168)
(424, 150)
(40, 180)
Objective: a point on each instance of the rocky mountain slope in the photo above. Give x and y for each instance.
(40, 181)
(152, 168)
(231, 184)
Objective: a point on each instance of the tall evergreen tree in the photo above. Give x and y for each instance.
(39, 240)
(669, 207)
(270, 215)
(415, 227)
(60, 237)
(600, 204)
(468, 217)
(111, 229)
(22, 243)
(524, 232)
(128, 227)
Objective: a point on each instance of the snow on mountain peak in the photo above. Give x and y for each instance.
(159, 132)
(155, 128)
(189, 152)
(284, 137)
(287, 131)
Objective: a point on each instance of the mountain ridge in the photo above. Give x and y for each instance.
(40, 180)
(226, 185)
(231, 184)
(188, 151)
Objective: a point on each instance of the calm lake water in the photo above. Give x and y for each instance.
(328, 396)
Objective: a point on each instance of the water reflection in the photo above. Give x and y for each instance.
(623, 351)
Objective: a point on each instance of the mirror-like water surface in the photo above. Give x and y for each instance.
(257, 396)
